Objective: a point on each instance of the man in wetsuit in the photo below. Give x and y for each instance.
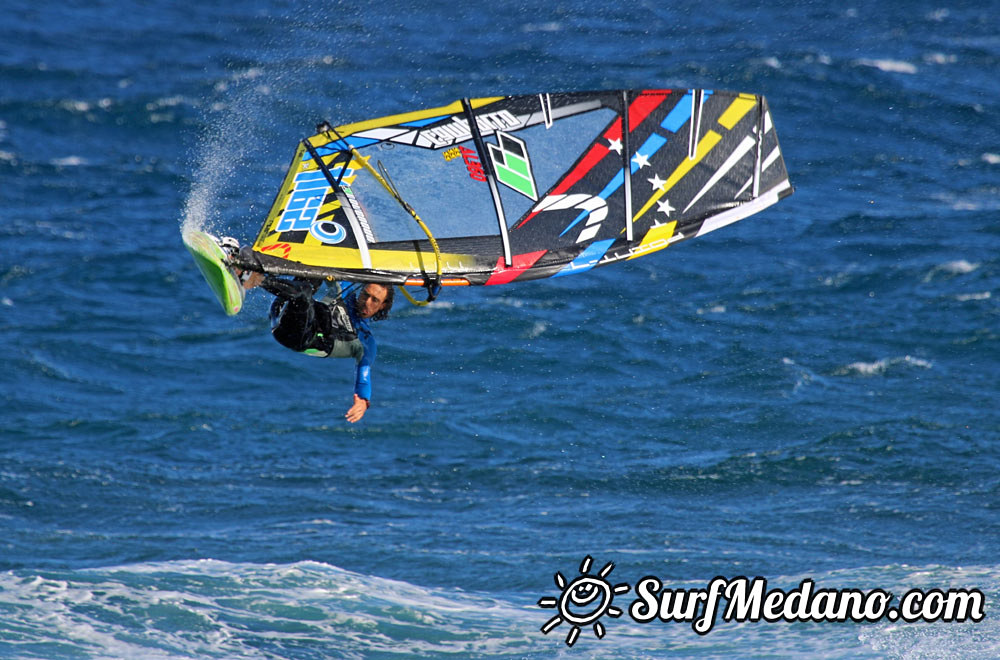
(335, 326)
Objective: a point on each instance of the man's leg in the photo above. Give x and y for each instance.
(294, 313)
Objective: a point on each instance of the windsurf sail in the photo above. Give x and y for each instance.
(496, 190)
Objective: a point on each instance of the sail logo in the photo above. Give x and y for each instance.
(327, 231)
(304, 201)
(471, 160)
(458, 130)
(592, 207)
(512, 165)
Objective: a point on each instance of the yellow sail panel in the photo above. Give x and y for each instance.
(305, 196)
(314, 253)
(706, 144)
(279, 200)
(657, 238)
(739, 107)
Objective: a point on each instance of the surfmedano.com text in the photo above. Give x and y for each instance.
(741, 599)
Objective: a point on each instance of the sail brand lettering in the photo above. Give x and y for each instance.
(458, 129)
(472, 164)
(304, 201)
(359, 213)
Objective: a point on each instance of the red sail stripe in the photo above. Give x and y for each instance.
(638, 110)
(519, 264)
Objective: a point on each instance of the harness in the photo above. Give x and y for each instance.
(335, 334)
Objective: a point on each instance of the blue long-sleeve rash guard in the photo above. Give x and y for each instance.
(363, 377)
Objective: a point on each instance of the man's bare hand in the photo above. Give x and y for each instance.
(358, 410)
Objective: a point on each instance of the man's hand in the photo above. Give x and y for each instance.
(358, 410)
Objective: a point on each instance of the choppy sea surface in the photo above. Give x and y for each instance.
(811, 393)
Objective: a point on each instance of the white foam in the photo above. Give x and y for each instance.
(549, 26)
(208, 608)
(951, 268)
(889, 66)
(215, 609)
(881, 366)
(76, 106)
(69, 161)
(958, 267)
(537, 330)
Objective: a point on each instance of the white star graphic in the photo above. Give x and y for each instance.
(615, 145)
(641, 160)
(665, 207)
(657, 181)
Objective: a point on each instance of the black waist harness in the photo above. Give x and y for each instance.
(310, 326)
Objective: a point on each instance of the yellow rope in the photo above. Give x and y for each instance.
(413, 301)
(409, 209)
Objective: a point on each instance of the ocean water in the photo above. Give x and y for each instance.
(811, 393)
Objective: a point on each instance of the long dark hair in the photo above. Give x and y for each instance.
(390, 294)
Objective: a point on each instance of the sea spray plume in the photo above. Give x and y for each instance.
(256, 107)
(223, 149)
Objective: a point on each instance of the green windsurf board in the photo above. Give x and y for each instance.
(211, 261)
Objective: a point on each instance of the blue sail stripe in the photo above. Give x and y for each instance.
(586, 259)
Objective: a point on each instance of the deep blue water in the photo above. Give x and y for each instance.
(809, 393)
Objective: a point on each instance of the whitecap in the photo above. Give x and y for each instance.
(951, 268)
(879, 367)
(69, 161)
(889, 66)
(550, 26)
(210, 608)
(866, 368)
(958, 267)
(963, 297)
(75, 106)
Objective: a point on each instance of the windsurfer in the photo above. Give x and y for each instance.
(334, 326)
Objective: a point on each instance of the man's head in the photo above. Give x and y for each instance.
(375, 301)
